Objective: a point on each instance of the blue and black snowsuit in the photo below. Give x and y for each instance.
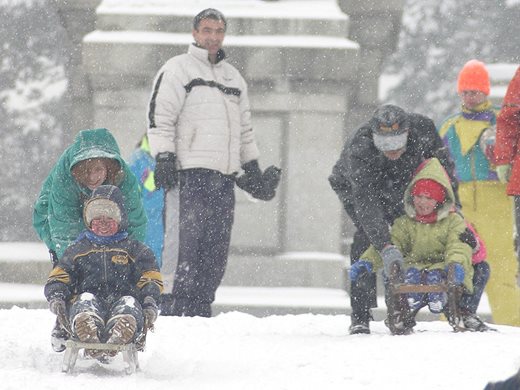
(106, 275)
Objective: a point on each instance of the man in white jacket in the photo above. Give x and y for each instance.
(201, 136)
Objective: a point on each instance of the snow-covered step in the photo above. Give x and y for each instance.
(291, 269)
(257, 301)
(24, 262)
(28, 263)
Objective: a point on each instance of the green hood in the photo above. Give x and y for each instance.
(94, 143)
(431, 169)
(58, 211)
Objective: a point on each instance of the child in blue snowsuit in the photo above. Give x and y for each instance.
(142, 164)
(106, 285)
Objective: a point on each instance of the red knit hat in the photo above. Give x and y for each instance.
(473, 77)
(429, 188)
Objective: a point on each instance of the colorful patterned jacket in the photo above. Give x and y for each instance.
(462, 133)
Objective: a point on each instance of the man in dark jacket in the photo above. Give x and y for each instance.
(370, 177)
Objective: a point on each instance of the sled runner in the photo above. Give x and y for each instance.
(401, 319)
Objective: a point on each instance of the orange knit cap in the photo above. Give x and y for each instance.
(473, 77)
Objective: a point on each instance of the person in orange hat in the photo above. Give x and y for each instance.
(506, 154)
(469, 136)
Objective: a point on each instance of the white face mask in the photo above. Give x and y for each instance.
(390, 142)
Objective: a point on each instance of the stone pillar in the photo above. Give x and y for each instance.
(375, 25)
(78, 17)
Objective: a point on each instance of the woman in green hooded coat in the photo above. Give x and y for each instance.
(93, 159)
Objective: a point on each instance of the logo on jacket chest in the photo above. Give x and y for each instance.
(120, 259)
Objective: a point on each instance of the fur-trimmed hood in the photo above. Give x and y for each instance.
(431, 169)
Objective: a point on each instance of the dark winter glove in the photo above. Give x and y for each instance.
(165, 173)
(358, 268)
(469, 238)
(271, 179)
(150, 311)
(390, 255)
(54, 257)
(57, 306)
(458, 273)
(260, 185)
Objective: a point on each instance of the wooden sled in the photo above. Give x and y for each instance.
(129, 351)
(396, 300)
(73, 347)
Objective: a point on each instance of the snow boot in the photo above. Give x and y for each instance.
(473, 323)
(123, 329)
(86, 327)
(360, 322)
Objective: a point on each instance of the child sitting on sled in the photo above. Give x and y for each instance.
(105, 286)
(428, 238)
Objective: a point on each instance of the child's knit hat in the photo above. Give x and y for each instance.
(101, 207)
(473, 77)
(107, 201)
(429, 188)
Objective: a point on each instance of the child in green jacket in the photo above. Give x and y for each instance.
(428, 237)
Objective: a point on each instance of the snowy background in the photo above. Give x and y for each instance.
(234, 350)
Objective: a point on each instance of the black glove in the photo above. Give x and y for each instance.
(165, 173)
(469, 238)
(57, 305)
(271, 178)
(150, 310)
(260, 185)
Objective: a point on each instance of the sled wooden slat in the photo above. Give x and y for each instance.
(419, 288)
(101, 346)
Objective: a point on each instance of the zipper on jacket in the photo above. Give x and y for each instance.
(105, 276)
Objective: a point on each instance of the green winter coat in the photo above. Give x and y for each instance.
(58, 211)
(432, 245)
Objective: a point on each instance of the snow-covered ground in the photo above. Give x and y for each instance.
(239, 351)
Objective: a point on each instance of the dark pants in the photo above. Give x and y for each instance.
(105, 312)
(363, 294)
(469, 302)
(206, 214)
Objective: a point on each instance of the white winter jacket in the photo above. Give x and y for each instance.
(200, 111)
